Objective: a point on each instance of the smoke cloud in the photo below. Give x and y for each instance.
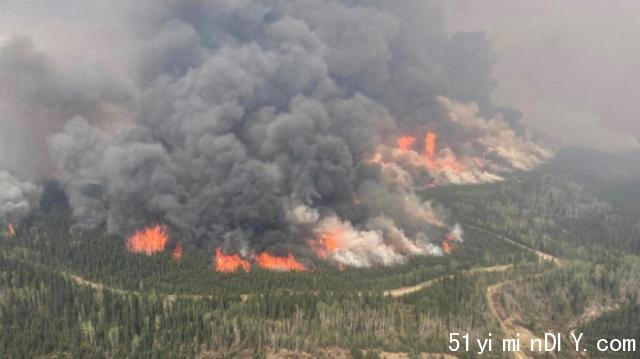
(37, 97)
(17, 198)
(272, 125)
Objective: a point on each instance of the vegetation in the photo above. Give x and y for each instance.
(69, 294)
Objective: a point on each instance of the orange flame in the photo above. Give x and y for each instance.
(430, 157)
(11, 230)
(433, 162)
(406, 143)
(430, 145)
(148, 241)
(230, 263)
(177, 252)
(267, 261)
(447, 244)
(327, 243)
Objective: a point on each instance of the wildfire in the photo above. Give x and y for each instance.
(447, 244)
(148, 241)
(176, 254)
(230, 263)
(436, 162)
(430, 145)
(406, 143)
(11, 230)
(443, 164)
(270, 262)
(446, 164)
(398, 163)
(327, 243)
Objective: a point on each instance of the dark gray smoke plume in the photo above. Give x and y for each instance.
(262, 125)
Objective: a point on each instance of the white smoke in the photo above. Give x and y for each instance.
(484, 151)
(17, 198)
(497, 138)
(457, 233)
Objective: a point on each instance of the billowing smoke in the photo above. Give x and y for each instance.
(38, 96)
(478, 150)
(272, 126)
(17, 198)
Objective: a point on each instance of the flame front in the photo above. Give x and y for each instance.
(11, 230)
(430, 145)
(148, 241)
(230, 263)
(447, 243)
(176, 254)
(443, 164)
(436, 162)
(327, 243)
(270, 262)
(406, 143)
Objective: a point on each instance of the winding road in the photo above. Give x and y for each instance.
(508, 324)
(404, 291)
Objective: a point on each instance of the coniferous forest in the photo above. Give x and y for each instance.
(555, 249)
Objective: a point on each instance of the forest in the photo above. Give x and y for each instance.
(555, 249)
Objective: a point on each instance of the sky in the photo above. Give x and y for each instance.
(571, 66)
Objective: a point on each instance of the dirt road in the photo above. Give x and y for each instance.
(403, 291)
(509, 324)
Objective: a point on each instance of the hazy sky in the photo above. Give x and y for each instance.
(572, 66)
